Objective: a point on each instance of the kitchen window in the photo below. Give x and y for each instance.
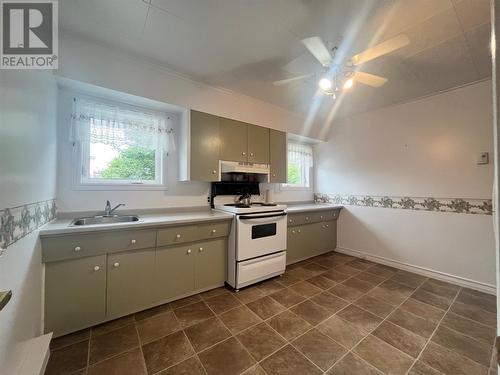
(300, 166)
(119, 147)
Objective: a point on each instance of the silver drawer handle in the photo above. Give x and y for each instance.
(214, 230)
(133, 242)
(97, 268)
(177, 236)
(116, 264)
(200, 249)
(189, 251)
(78, 248)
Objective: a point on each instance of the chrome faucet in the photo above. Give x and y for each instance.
(108, 210)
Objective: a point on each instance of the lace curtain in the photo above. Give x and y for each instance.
(301, 155)
(119, 125)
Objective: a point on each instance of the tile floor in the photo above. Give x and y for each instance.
(332, 314)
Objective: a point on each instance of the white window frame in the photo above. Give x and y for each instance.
(80, 165)
(292, 187)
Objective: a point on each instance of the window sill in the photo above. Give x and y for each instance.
(285, 187)
(118, 187)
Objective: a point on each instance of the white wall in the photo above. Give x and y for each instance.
(427, 148)
(27, 175)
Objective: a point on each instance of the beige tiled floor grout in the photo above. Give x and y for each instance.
(289, 342)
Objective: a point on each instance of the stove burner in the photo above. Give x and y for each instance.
(238, 205)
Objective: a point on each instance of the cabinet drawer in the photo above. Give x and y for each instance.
(301, 218)
(83, 245)
(170, 236)
(254, 270)
(214, 230)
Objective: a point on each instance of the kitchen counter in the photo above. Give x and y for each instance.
(304, 207)
(61, 226)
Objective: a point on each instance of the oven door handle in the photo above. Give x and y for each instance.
(248, 217)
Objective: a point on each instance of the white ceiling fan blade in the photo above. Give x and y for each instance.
(383, 48)
(369, 79)
(318, 49)
(290, 80)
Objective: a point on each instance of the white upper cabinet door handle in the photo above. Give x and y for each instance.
(214, 172)
(251, 154)
(78, 248)
(116, 264)
(243, 153)
(97, 268)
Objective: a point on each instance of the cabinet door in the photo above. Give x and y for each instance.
(210, 264)
(331, 234)
(204, 149)
(258, 144)
(233, 140)
(174, 271)
(294, 245)
(130, 282)
(75, 294)
(278, 155)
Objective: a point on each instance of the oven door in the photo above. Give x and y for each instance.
(260, 234)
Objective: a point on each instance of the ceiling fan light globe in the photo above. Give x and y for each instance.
(348, 84)
(325, 84)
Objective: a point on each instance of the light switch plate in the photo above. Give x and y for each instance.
(483, 158)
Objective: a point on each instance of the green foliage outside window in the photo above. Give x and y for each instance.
(133, 163)
(293, 174)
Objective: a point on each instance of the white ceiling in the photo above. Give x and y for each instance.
(244, 45)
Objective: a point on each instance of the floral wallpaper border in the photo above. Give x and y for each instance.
(18, 222)
(455, 205)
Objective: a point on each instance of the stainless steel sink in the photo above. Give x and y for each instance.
(103, 220)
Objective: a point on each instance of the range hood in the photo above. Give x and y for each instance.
(242, 167)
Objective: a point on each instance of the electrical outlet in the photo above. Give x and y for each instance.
(483, 158)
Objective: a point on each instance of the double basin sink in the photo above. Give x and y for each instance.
(104, 220)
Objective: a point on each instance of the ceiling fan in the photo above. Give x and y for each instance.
(344, 75)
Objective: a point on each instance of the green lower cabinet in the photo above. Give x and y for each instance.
(174, 271)
(130, 282)
(75, 294)
(210, 264)
(308, 240)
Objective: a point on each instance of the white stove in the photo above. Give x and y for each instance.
(238, 208)
(257, 242)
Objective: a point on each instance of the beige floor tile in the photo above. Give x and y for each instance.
(269, 287)
(261, 341)
(207, 333)
(449, 362)
(289, 325)
(420, 368)
(265, 307)
(345, 292)
(193, 313)
(351, 364)
(360, 318)
(330, 301)
(311, 312)
(440, 288)
(149, 313)
(411, 279)
(227, 358)
(335, 275)
(341, 331)
(190, 366)
(288, 361)
(129, 363)
(412, 323)
(463, 345)
(358, 284)
(383, 356)
(470, 328)
(319, 348)
(423, 310)
(373, 305)
(156, 327)
(432, 299)
(402, 339)
(68, 359)
(112, 325)
(322, 282)
(287, 297)
(72, 338)
(167, 351)
(185, 301)
(305, 289)
(474, 313)
(222, 303)
(238, 319)
(112, 343)
(249, 295)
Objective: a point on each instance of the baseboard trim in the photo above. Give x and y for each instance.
(461, 281)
